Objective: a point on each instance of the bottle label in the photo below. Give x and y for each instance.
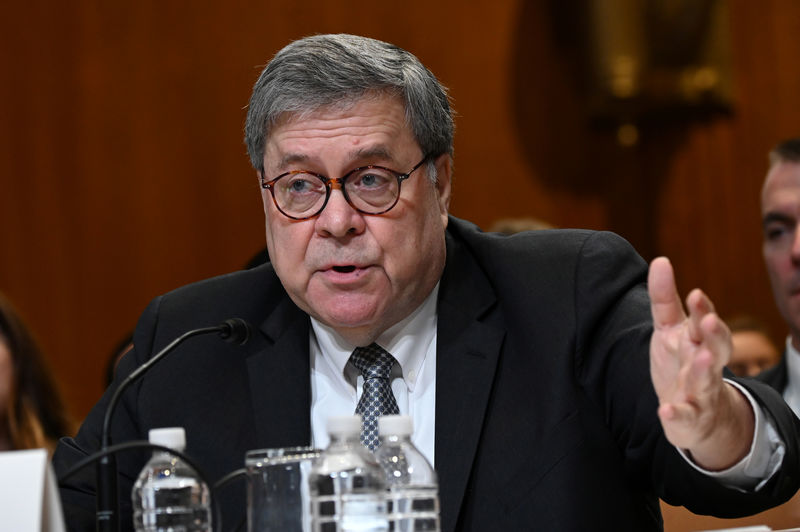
(352, 512)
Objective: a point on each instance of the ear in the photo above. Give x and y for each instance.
(444, 174)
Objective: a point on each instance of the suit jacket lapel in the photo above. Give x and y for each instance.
(279, 377)
(468, 345)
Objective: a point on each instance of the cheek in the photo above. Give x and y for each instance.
(777, 263)
(416, 258)
(286, 249)
(266, 200)
(281, 233)
(287, 244)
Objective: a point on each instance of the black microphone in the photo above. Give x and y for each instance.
(233, 330)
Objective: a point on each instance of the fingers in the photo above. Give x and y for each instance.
(706, 327)
(695, 390)
(665, 303)
(684, 336)
(697, 384)
(699, 306)
(717, 339)
(687, 353)
(704, 374)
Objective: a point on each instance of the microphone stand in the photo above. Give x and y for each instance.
(107, 517)
(112, 450)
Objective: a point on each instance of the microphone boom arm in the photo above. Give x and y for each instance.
(232, 330)
(141, 370)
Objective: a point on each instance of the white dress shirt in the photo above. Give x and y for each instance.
(791, 394)
(336, 385)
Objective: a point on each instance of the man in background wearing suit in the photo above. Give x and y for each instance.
(780, 211)
(549, 389)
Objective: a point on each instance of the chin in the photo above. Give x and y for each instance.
(350, 322)
(351, 309)
(356, 331)
(349, 318)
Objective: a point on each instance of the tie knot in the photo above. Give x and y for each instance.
(373, 361)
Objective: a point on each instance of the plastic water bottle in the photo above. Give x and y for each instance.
(346, 483)
(169, 496)
(412, 487)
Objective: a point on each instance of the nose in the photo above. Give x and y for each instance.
(339, 218)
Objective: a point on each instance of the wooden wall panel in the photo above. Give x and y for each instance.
(123, 173)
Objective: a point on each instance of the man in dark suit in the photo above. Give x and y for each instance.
(780, 211)
(549, 389)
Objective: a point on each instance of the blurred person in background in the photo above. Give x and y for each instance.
(510, 226)
(753, 349)
(120, 350)
(32, 414)
(780, 221)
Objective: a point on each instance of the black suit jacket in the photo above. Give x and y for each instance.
(545, 411)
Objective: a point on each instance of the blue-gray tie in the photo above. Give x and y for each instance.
(377, 399)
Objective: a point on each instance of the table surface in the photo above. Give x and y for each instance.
(785, 517)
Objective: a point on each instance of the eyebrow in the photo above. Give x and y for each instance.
(373, 152)
(292, 158)
(776, 217)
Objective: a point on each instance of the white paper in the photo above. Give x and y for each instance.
(29, 500)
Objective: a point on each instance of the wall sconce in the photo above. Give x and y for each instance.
(656, 60)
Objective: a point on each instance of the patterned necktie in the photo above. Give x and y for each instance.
(377, 399)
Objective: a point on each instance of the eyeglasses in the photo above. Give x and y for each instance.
(301, 194)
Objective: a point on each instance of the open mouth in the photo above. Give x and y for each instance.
(344, 269)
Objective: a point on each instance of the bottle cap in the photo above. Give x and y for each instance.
(344, 425)
(172, 437)
(396, 425)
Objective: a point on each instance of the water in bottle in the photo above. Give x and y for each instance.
(346, 483)
(169, 496)
(412, 487)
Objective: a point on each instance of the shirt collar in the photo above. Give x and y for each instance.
(406, 340)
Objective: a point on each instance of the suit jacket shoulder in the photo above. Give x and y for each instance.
(229, 398)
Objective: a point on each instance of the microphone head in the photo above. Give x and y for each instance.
(235, 331)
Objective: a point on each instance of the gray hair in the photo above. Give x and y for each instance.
(325, 70)
(787, 151)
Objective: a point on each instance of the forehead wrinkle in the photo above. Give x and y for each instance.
(378, 151)
(356, 123)
(376, 129)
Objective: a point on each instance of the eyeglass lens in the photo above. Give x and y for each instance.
(370, 190)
